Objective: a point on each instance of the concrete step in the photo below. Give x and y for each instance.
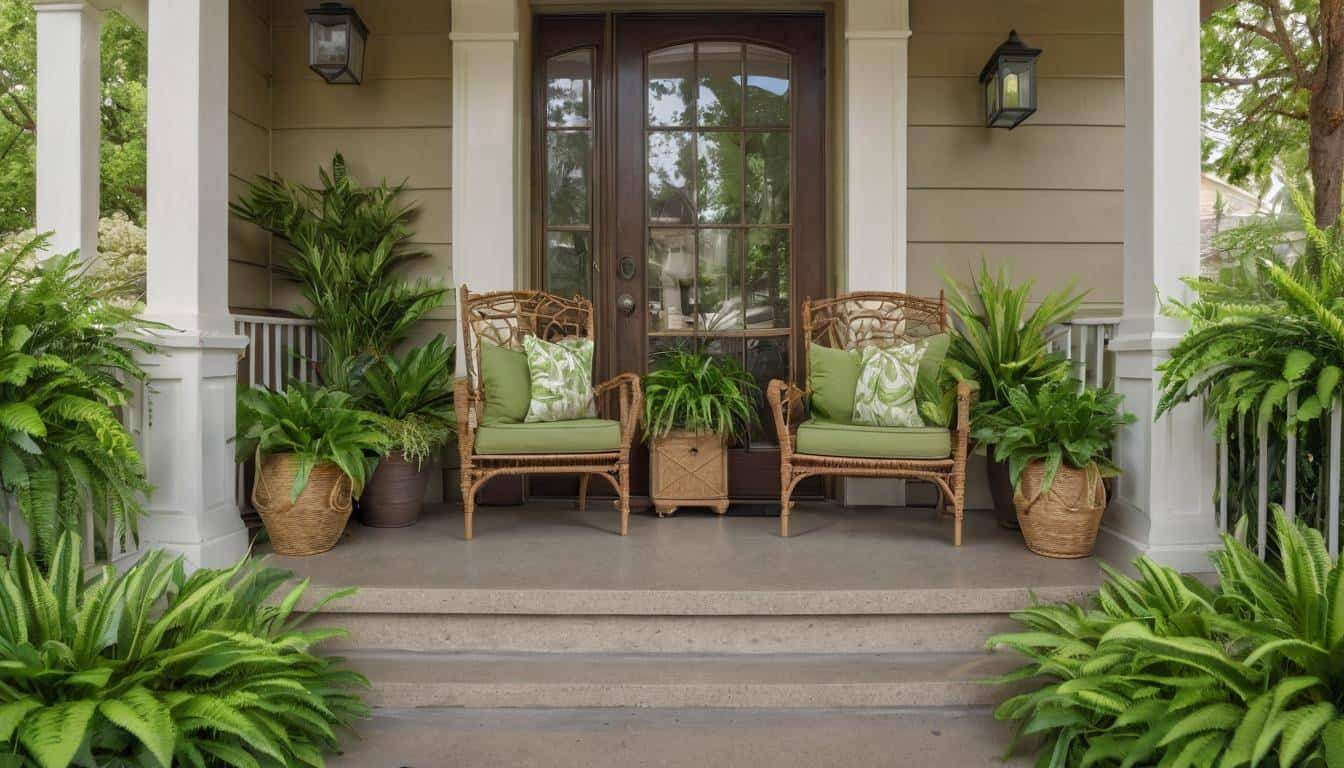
(762, 681)
(677, 738)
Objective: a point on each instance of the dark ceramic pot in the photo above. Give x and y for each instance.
(395, 493)
(1001, 491)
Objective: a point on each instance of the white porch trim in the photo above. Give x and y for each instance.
(68, 124)
(1164, 502)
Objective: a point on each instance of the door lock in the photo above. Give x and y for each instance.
(626, 303)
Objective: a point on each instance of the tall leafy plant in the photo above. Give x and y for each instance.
(65, 352)
(154, 668)
(999, 343)
(698, 392)
(316, 425)
(347, 245)
(1163, 670)
(413, 397)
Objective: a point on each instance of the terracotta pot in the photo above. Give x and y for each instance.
(395, 494)
(1001, 491)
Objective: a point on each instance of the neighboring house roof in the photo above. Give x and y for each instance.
(1237, 206)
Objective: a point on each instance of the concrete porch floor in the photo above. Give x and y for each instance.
(837, 560)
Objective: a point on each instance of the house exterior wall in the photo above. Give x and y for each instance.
(1045, 198)
(396, 125)
(249, 147)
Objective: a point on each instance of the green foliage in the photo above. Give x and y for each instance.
(64, 353)
(124, 55)
(700, 393)
(1253, 344)
(413, 397)
(156, 668)
(347, 244)
(1062, 423)
(316, 425)
(1001, 346)
(1164, 671)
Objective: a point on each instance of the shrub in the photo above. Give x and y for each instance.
(316, 425)
(156, 668)
(1163, 670)
(64, 354)
(698, 392)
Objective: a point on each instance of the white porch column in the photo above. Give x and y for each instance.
(485, 82)
(877, 41)
(190, 407)
(68, 124)
(1164, 504)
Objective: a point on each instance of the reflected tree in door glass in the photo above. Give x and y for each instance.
(767, 278)
(719, 178)
(670, 86)
(767, 86)
(568, 89)
(567, 177)
(568, 256)
(671, 158)
(719, 74)
(719, 279)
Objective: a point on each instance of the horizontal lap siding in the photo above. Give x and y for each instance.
(1044, 199)
(249, 147)
(395, 126)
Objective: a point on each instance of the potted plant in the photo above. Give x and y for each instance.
(413, 399)
(1055, 443)
(693, 404)
(999, 345)
(314, 452)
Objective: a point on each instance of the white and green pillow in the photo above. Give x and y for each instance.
(562, 379)
(886, 393)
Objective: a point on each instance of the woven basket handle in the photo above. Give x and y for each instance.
(261, 492)
(1089, 492)
(342, 494)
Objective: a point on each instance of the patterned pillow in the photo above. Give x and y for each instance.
(885, 395)
(562, 379)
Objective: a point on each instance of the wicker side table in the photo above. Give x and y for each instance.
(688, 470)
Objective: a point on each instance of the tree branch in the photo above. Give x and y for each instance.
(1280, 37)
(1244, 81)
(1295, 114)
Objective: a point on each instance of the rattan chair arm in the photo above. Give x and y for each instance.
(464, 403)
(631, 399)
(787, 404)
(964, 406)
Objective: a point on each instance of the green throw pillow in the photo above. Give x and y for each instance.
(885, 395)
(507, 385)
(931, 364)
(832, 375)
(562, 379)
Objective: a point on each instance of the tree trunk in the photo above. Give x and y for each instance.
(1325, 115)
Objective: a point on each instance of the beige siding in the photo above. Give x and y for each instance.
(395, 126)
(1044, 199)
(250, 122)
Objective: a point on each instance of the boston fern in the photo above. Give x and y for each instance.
(1165, 671)
(64, 353)
(152, 668)
(698, 392)
(1058, 425)
(413, 397)
(316, 425)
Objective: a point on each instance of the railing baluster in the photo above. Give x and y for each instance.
(1262, 485)
(1099, 334)
(1290, 461)
(1223, 470)
(1332, 503)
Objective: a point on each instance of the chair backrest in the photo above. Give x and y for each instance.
(503, 318)
(858, 320)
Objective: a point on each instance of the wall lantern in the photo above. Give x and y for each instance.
(1009, 83)
(336, 37)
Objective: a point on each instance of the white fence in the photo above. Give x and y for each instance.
(279, 349)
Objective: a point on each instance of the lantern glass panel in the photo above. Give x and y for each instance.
(355, 66)
(1017, 86)
(330, 45)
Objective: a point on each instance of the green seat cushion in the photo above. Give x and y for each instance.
(573, 436)
(507, 385)
(833, 375)
(824, 438)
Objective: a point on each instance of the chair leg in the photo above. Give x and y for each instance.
(468, 503)
(624, 477)
(785, 491)
(958, 507)
(583, 491)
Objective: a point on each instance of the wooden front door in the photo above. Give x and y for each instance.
(683, 189)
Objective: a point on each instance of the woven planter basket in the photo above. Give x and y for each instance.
(1062, 522)
(312, 523)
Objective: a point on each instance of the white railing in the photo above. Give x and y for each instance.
(1083, 341)
(1261, 453)
(279, 349)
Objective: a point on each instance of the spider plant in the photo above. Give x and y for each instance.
(413, 398)
(315, 424)
(153, 667)
(1162, 670)
(698, 392)
(65, 352)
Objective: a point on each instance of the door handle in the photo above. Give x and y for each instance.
(626, 303)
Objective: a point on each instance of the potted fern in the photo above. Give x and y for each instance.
(413, 399)
(1000, 346)
(1055, 443)
(694, 403)
(314, 452)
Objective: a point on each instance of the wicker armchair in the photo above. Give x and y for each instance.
(853, 321)
(503, 318)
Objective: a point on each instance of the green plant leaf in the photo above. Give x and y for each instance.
(141, 714)
(53, 734)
